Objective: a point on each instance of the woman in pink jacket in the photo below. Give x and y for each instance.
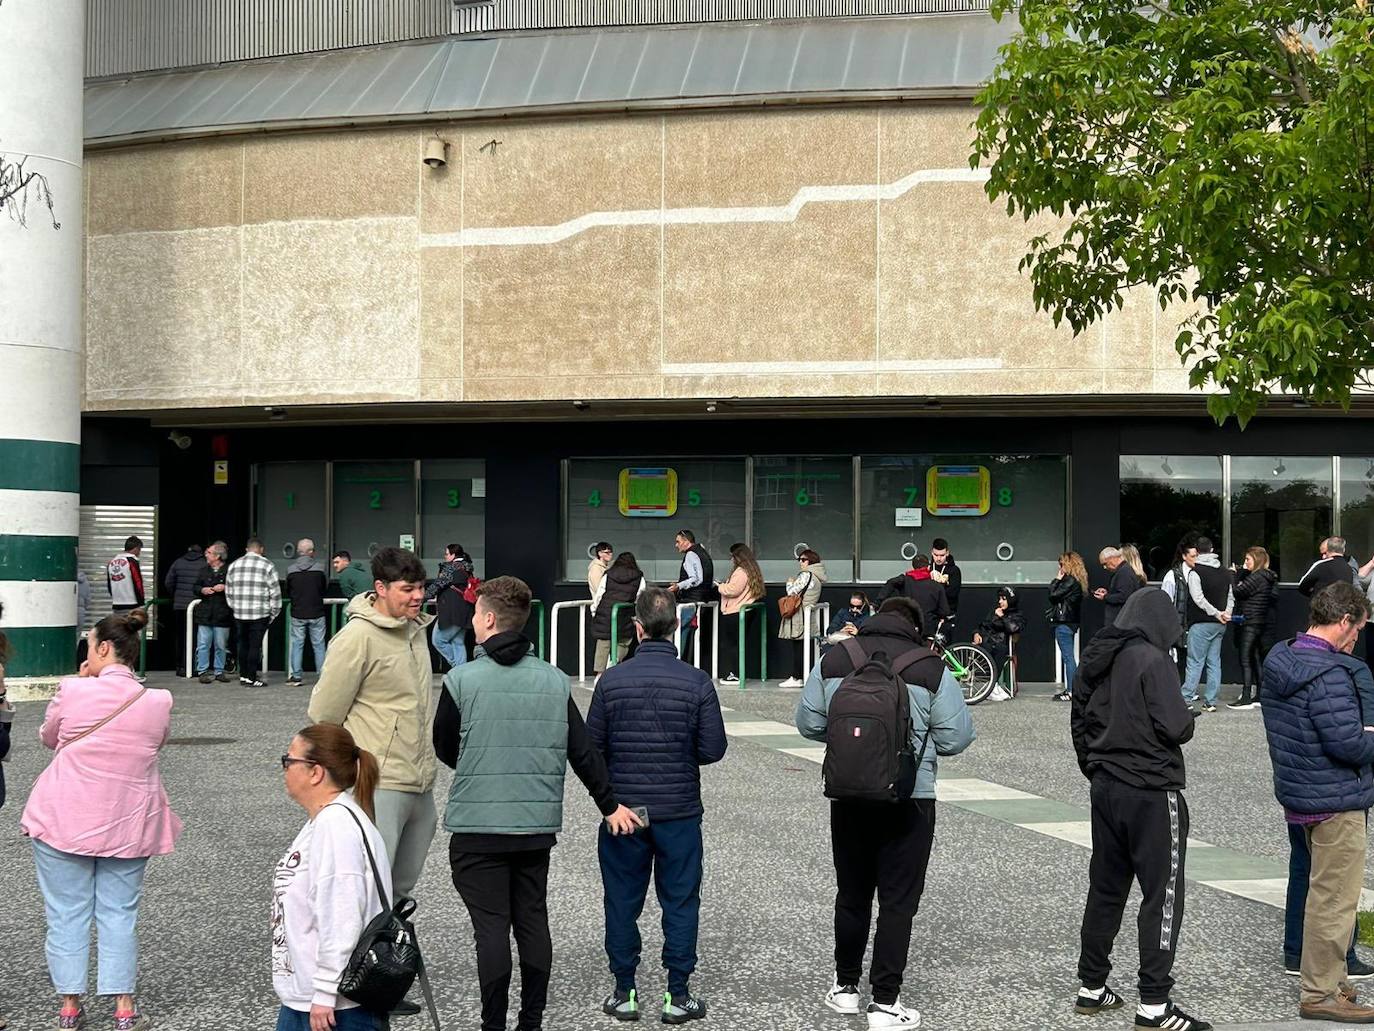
(96, 814)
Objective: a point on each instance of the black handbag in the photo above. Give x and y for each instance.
(386, 961)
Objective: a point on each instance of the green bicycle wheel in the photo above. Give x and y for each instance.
(973, 668)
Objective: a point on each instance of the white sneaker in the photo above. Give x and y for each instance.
(792, 682)
(843, 998)
(895, 1015)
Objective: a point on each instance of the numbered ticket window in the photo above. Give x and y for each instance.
(639, 504)
(289, 504)
(374, 506)
(453, 510)
(804, 502)
(1005, 516)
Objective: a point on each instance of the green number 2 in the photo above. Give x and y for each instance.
(454, 498)
(1004, 497)
(911, 493)
(594, 499)
(693, 498)
(374, 499)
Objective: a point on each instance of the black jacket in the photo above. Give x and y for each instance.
(446, 591)
(955, 585)
(657, 721)
(213, 609)
(997, 630)
(1122, 585)
(1333, 570)
(622, 585)
(305, 588)
(1128, 716)
(889, 633)
(181, 577)
(1253, 591)
(1066, 601)
(930, 596)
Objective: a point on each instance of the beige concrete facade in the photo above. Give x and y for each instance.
(845, 251)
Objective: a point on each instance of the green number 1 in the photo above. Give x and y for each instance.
(454, 498)
(291, 500)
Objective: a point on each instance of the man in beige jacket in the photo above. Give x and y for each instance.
(376, 683)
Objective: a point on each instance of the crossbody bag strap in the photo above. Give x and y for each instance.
(429, 995)
(91, 730)
(376, 874)
(855, 651)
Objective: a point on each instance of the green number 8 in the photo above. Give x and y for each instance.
(1004, 496)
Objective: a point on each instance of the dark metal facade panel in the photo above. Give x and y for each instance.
(127, 36)
(698, 65)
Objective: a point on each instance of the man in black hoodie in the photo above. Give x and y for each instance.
(1128, 722)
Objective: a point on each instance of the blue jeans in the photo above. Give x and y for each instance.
(205, 637)
(671, 851)
(1299, 876)
(75, 889)
(1204, 649)
(685, 632)
(448, 642)
(299, 628)
(344, 1020)
(1063, 636)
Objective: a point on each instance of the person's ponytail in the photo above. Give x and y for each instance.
(365, 787)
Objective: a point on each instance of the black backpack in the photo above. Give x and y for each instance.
(868, 752)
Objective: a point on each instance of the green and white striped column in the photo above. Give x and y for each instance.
(41, 334)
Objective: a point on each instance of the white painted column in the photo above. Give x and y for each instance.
(43, 47)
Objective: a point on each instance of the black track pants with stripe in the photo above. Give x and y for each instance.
(1139, 835)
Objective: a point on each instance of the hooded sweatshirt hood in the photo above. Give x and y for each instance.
(305, 564)
(1209, 559)
(918, 574)
(1148, 615)
(817, 570)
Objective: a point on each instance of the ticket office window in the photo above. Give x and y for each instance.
(1282, 504)
(453, 510)
(374, 507)
(639, 504)
(1357, 507)
(290, 504)
(804, 502)
(1005, 516)
(1164, 498)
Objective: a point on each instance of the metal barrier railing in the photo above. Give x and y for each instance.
(763, 642)
(714, 606)
(538, 606)
(822, 609)
(615, 639)
(151, 607)
(191, 639)
(582, 609)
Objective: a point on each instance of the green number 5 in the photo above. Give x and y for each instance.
(693, 498)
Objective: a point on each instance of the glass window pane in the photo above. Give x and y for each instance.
(290, 505)
(804, 501)
(453, 510)
(1164, 497)
(707, 498)
(1357, 507)
(1017, 538)
(374, 506)
(1283, 505)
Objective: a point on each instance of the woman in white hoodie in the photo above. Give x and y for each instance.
(324, 891)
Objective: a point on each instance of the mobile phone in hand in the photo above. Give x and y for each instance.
(641, 811)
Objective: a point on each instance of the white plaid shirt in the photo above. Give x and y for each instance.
(252, 589)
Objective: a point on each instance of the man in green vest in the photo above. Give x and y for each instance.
(509, 727)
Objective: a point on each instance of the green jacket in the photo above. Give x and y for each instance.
(355, 579)
(513, 747)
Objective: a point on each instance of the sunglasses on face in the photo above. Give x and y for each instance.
(287, 760)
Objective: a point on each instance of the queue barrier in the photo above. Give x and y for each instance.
(615, 622)
(714, 606)
(191, 639)
(763, 642)
(538, 606)
(582, 609)
(822, 611)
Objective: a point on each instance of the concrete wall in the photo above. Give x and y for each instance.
(837, 251)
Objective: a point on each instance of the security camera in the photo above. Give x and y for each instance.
(436, 153)
(179, 439)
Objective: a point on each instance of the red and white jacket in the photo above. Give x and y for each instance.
(125, 579)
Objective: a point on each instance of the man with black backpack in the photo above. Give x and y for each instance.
(886, 706)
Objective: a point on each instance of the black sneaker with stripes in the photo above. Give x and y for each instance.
(1088, 1003)
(1173, 1019)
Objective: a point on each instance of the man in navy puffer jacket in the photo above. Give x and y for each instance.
(657, 721)
(1311, 699)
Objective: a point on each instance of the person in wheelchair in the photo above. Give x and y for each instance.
(997, 628)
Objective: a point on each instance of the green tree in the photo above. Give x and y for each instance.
(1216, 151)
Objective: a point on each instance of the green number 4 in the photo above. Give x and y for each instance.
(594, 499)
(454, 498)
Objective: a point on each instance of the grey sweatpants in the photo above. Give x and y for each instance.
(406, 821)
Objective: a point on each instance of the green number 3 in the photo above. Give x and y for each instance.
(374, 499)
(454, 498)
(594, 499)
(1004, 496)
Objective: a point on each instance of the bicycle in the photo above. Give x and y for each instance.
(972, 666)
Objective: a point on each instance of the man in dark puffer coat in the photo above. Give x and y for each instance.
(1310, 694)
(657, 721)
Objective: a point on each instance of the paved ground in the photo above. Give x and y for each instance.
(995, 942)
